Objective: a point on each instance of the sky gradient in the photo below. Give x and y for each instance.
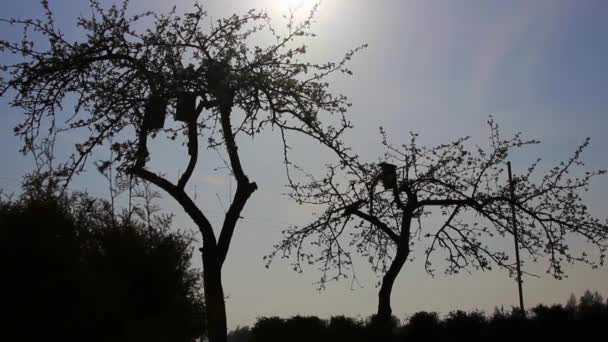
(439, 68)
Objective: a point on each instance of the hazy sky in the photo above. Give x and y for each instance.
(436, 67)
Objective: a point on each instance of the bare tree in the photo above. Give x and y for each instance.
(466, 188)
(128, 72)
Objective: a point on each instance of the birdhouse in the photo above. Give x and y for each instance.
(154, 116)
(185, 110)
(217, 73)
(388, 175)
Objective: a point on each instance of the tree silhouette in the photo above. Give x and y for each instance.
(340, 328)
(467, 188)
(127, 72)
(422, 325)
(240, 334)
(71, 272)
(269, 329)
(462, 325)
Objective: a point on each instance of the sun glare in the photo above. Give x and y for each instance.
(295, 4)
(299, 8)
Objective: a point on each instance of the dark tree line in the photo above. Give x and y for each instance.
(73, 271)
(582, 321)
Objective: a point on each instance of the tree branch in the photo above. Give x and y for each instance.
(244, 188)
(193, 152)
(184, 200)
(376, 222)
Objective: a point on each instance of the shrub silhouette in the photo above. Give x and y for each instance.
(583, 321)
(269, 329)
(39, 258)
(592, 315)
(73, 272)
(462, 325)
(240, 334)
(505, 325)
(304, 329)
(421, 325)
(341, 328)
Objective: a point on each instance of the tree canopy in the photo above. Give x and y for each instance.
(221, 80)
(383, 211)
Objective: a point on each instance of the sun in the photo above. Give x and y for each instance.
(301, 9)
(296, 6)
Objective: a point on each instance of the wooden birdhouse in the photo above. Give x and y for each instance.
(185, 110)
(156, 109)
(388, 175)
(217, 74)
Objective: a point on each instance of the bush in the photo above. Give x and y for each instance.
(585, 321)
(72, 271)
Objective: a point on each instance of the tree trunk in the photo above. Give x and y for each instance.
(384, 295)
(384, 314)
(381, 325)
(214, 298)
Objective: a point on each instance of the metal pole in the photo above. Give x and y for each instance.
(516, 238)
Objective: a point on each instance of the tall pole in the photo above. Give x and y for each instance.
(516, 238)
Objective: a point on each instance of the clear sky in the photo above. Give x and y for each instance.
(436, 67)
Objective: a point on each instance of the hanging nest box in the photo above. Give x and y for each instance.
(156, 109)
(185, 110)
(388, 175)
(217, 74)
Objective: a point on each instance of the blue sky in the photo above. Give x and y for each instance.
(436, 67)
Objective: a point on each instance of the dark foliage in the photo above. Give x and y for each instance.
(240, 334)
(464, 325)
(422, 325)
(71, 271)
(340, 328)
(299, 328)
(584, 322)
